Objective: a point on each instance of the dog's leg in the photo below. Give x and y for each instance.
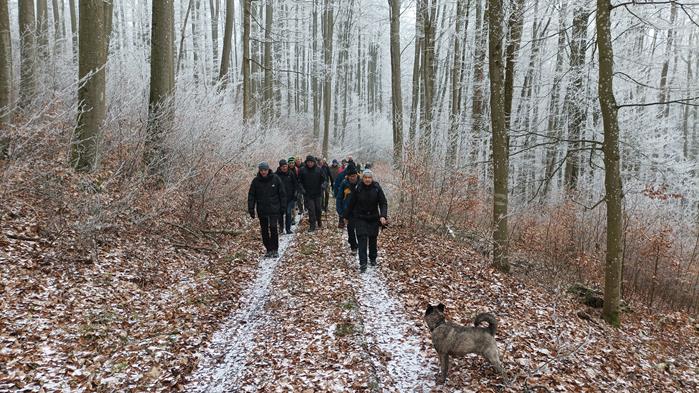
(444, 365)
(494, 359)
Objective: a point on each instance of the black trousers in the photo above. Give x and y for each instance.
(371, 242)
(270, 236)
(352, 236)
(315, 215)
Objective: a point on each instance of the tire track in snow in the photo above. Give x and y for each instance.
(225, 359)
(387, 328)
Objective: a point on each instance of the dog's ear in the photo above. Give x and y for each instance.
(441, 307)
(429, 309)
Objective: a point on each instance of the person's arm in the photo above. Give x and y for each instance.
(383, 204)
(350, 207)
(302, 190)
(282, 194)
(251, 199)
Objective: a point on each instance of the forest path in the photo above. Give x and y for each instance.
(310, 320)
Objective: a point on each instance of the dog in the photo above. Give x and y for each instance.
(452, 339)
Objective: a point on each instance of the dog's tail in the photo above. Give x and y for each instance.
(487, 317)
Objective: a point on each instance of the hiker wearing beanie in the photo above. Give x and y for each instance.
(288, 178)
(311, 182)
(267, 197)
(299, 196)
(334, 173)
(367, 211)
(349, 183)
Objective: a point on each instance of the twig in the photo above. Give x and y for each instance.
(22, 237)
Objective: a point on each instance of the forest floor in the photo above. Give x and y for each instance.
(146, 313)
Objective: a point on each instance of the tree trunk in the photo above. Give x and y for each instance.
(196, 12)
(27, 31)
(268, 93)
(575, 105)
(247, 110)
(223, 75)
(429, 12)
(162, 83)
(92, 73)
(57, 22)
(42, 36)
(396, 93)
(612, 175)
(456, 73)
(214, 6)
(328, 25)
(73, 28)
(477, 108)
(500, 139)
(5, 69)
(515, 24)
(314, 72)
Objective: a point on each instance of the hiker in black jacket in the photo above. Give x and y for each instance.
(268, 197)
(311, 182)
(288, 178)
(367, 212)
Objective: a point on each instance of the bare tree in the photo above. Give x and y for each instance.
(162, 82)
(92, 73)
(396, 93)
(27, 31)
(227, 43)
(247, 110)
(328, 29)
(5, 67)
(500, 139)
(612, 173)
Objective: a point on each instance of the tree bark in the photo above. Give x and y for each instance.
(73, 28)
(396, 92)
(27, 31)
(223, 74)
(214, 6)
(612, 175)
(42, 36)
(328, 29)
(57, 22)
(92, 74)
(268, 93)
(500, 139)
(162, 83)
(456, 74)
(5, 68)
(429, 12)
(575, 105)
(247, 110)
(515, 24)
(477, 108)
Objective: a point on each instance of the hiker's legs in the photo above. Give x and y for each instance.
(352, 236)
(289, 215)
(273, 235)
(312, 219)
(264, 229)
(373, 249)
(363, 243)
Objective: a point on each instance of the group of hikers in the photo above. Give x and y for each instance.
(296, 186)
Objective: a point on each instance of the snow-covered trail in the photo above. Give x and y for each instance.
(224, 360)
(403, 362)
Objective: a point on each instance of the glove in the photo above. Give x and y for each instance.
(252, 214)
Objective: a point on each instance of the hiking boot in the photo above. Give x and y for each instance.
(312, 229)
(362, 269)
(275, 254)
(289, 232)
(354, 252)
(268, 254)
(373, 262)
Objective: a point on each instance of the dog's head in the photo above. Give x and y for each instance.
(434, 315)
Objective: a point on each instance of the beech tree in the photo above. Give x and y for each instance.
(91, 91)
(27, 31)
(5, 66)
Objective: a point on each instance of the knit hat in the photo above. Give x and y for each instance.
(350, 170)
(335, 162)
(367, 173)
(263, 166)
(310, 158)
(291, 160)
(282, 162)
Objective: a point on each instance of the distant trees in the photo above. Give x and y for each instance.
(91, 91)
(223, 75)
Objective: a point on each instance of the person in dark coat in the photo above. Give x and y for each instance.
(291, 186)
(311, 182)
(367, 211)
(339, 198)
(300, 207)
(349, 183)
(267, 197)
(325, 197)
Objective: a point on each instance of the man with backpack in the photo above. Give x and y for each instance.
(268, 198)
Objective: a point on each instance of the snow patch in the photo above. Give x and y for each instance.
(387, 327)
(224, 361)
